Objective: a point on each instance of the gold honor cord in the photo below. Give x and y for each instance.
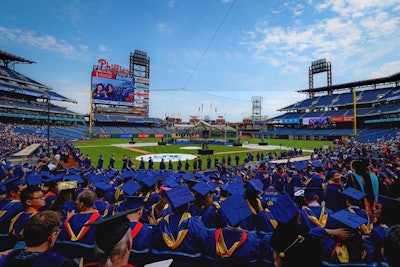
(168, 237)
(221, 248)
(321, 221)
(299, 239)
(366, 228)
(342, 253)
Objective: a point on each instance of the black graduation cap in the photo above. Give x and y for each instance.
(348, 218)
(235, 209)
(110, 230)
(179, 196)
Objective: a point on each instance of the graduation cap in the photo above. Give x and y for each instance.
(179, 196)
(170, 183)
(348, 218)
(284, 209)
(149, 180)
(102, 186)
(110, 230)
(353, 193)
(130, 187)
(34, 178)
(311, 192)
(134, 202)
(235, 209)
(65, 185)
(256, 185)
(202, 188)
(299, 166)
(73, 177)
(11, 184)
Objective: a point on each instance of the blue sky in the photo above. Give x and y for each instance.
(218, 54)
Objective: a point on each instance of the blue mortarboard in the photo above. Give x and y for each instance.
(102, 186)
(348, 218)
(149, 180)
(179, 196)
(34, 178)
(256, 184)
(311, 192)
(202, 188)
(127, 174)
(317, 164)
(299, 165)
(235, 209)
(18, 171)
(284, 209)
(170, 183)
(134, 202)
(12, 183)
(187, 176)
(51, 179)
(237, 188)
(353, 193)
(130, 187)
(9, 166)
(73, 177)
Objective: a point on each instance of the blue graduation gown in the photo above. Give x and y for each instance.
(247, 251)
(193, 242)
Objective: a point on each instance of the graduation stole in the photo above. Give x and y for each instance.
(341, 253)
(366, 228)
(11, 228)
(152, 216)
(7, 207)
(321, 221)
(95, 215)
(136, 229)
(221, 248)
(259, 206)
(167, 235)
(268, 214)
(118, 193)
(49, 194)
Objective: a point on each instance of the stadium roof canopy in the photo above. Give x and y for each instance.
(395, 78)
(12, 81)
(7, 57)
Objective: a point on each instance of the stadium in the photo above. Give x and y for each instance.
(332, 128)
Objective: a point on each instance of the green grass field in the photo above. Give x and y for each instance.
(96, 147)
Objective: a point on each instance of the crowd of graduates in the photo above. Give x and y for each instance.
(335, 208)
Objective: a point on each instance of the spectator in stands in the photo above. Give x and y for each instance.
(40, 234)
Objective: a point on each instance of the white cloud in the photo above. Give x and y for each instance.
(44, 42)
(164, 28)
